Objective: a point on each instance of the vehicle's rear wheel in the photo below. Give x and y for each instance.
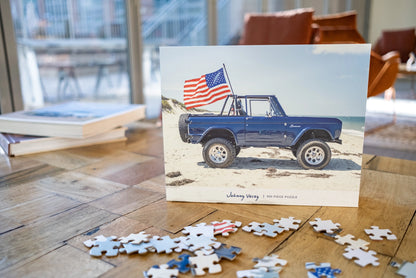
(219, 153)
(183, 127)
(313, 154)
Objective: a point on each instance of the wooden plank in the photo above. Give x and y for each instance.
(156, 184)
(19, 194)
(79, 186)
(32, 241)
(388, 164)
(38, 208)
(66, 159)
(138, 172)
(407, 250)
(8, 224)
(170, 216)
(113, 164)
(64, 261)
(127, 200)
(29, 174)
(10, 165)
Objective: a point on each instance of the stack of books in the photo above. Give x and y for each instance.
(68, 125)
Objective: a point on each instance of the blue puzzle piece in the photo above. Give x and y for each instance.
(227, 253)
(327, 272)
(182, 265)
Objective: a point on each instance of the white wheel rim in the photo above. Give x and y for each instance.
(217, 153)
(314, 155)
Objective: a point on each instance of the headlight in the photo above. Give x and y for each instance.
(337, 133)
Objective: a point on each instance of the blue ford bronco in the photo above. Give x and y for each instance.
(259, 121)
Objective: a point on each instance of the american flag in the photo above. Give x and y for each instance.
(207, 89)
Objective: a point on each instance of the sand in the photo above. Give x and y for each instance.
(256, 169)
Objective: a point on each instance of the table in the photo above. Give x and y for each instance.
(50, 203)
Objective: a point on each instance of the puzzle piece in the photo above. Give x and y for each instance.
(109, 247)
(227, 253)
(257, 273)
(324, 225)
(225, 227)
(142, 248)
(201, 262)
(182, 244)
(375, 233)
(182, 265)
(269, 261)
(90, 243)
(363, 258)
(202, 242)
(288, 223)
(164, 244)
(161, 271)
(135, 238)
(263, 229)
(407, 269)
(322, 270)
(199, 229)
(354, 244)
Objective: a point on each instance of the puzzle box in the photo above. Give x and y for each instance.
(264, 124)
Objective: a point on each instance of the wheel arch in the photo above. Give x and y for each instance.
(215, 132)
(307, 134)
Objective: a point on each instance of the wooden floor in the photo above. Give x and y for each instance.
(50, 203)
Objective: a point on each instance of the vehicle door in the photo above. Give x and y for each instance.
(264, 126)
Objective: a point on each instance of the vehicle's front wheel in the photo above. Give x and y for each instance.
(313, 154)
(219, 153)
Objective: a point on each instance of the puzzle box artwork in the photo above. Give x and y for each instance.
(264, 124)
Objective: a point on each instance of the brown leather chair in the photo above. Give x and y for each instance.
(288, 27)
(337, 28)
(402, 40)
(383, 72)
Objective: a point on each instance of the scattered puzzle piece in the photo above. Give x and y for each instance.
(109, 247)
(407, 269)
(225, 227)
(354, 244)
(363, 258)
(263, 229)
(90, 243)
(135, 238)
(227, 253)
(182, 265)
(199, 229)
(182, 244)
(163, 244)
(269, 261)
(375, 233)
(201, 262)
(324, 225)
(257, 273)
(288, 223)
(202, 242)
(322, 270)
(142, 248)
(161, 272)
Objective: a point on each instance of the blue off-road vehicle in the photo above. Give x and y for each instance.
(259, 121)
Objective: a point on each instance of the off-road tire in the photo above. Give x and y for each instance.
(183, 127)
(313, 154)
(219, 153)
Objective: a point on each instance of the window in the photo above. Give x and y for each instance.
(261, 108)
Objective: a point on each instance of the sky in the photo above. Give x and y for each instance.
(310, 80)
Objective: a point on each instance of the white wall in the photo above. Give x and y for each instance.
(388, 14)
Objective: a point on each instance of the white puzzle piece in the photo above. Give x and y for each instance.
(288, 223)
(326, 226)
(135, 238)
(375, 233)
(363, 258)
(202, 262)
(354, 244)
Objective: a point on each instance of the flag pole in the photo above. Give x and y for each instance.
(226, 73)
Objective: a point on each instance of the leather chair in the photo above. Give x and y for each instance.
(403, 40)
(288, 27)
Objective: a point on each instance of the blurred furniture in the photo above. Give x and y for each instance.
(288, 27)
(337, 28)
(403, 41)
(404, 72)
